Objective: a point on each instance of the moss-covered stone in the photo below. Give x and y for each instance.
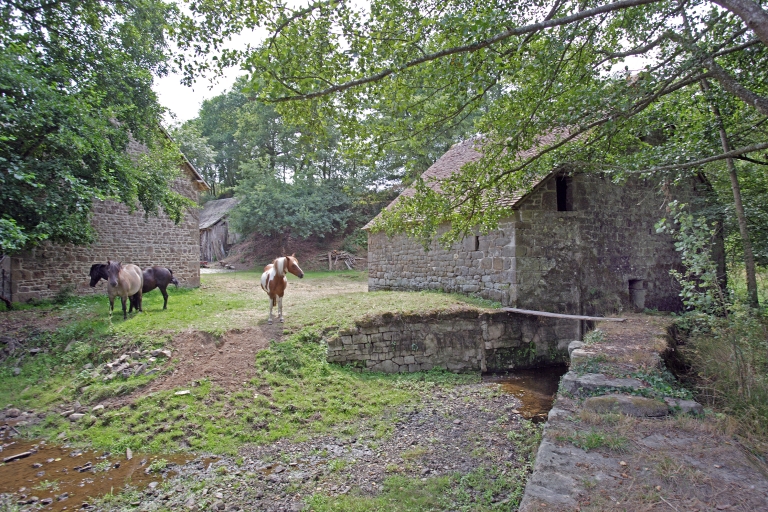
(630, 405)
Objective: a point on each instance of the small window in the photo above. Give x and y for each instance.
(564, 187)
(477, 243)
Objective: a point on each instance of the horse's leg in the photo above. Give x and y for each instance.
(165, 296)
(280, 309)
(132, 301)
(139, 300)
(271, 304)
(111, 305)
(123, 300)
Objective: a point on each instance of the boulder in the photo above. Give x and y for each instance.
(573, 346)
(680, 406)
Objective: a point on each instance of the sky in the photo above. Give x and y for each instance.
(184, 102)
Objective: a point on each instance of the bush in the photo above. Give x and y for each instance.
(728, 364)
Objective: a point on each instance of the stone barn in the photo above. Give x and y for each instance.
(216, 235)
(576, 243)
(49, 269)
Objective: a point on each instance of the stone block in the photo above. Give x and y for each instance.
(637, 406)
(679, 406)
(574, 383)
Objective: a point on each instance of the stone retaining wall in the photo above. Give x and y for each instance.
(456, 340)
(130, 237)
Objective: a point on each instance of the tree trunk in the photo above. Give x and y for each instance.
(749, 258)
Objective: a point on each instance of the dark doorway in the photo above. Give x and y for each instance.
(637, 293)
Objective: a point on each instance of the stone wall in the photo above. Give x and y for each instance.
(456, 340)
(582, 261)
(128, 237)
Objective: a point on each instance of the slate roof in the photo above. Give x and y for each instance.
(214, 211)
(470, 151)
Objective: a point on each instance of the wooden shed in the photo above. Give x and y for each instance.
(216, 237)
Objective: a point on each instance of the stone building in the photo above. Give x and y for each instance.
(46, 270)
(576, 243)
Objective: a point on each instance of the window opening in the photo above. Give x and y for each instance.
(564, 187)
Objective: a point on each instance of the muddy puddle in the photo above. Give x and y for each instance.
(56, 477)
(535, 388)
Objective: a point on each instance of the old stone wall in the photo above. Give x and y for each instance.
(458, 340)
(128, 237)
(603, 255)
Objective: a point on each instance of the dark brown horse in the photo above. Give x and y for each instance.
(158, 277)
(125, 281)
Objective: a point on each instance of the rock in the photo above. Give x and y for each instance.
(12, 413)
(218, 495)
(46, 501)
(637, 406)
(123, 358)
(153, 485)
(140, 370)
(98, 408)
(162, 353)
(573, 383)
(135, 354)
(16, 371)
(457, 422)
(218, 505)
(573, 346)
(679, 406)
(68, 412)
(128, 454)
(34, 351)
(62, 497)
(88, 366)
(580, 356)
(76, 416)
(183, 392)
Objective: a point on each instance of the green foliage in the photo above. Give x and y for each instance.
(303, 207)
(694, 238)
(396, 75)
(595, 336)
(76, 81)
(727, 361)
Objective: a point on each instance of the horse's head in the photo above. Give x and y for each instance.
(98, 272)
(293, 266)
(113, 269)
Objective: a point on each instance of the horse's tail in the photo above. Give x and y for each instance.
(173, 279)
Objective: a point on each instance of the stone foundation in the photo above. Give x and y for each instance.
(456, 340)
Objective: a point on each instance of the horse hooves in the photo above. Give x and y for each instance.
(269, 322)
(281, 320)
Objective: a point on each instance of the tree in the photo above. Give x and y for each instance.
(197, 149)
(75, 88)
(302, 208)
(554, 67)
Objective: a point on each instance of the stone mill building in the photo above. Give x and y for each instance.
(46, 270)
(576, 243)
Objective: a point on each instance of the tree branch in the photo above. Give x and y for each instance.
(473, 47)
(695, 163)
(730, 84)
(751, 13)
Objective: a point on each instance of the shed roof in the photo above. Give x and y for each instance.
(214, 211)
(470, 151)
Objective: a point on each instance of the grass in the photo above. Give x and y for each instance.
(593, 439)
(295, 392)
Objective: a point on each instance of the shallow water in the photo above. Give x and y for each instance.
(535, 388)
(70, 477)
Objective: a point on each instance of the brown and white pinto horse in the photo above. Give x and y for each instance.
(274, 282)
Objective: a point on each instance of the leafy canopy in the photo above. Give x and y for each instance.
(75, 89)
(395, 69)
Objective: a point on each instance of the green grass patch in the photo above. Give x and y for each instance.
(484, 489)
(593, 439)
(295, 392)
